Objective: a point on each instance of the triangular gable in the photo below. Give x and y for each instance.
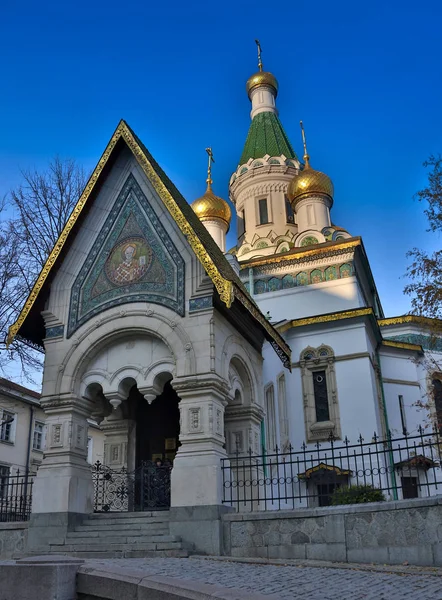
(225, 280)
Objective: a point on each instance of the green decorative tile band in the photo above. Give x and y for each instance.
(427, 342)
(266, 136)
(303, 278)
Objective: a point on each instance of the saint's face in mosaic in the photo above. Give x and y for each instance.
(128, 261)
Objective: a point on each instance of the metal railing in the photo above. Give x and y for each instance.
(120, 490)
(318, 474)
(15, 497)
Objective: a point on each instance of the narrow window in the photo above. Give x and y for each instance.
(89, 450)
(270, 419)
(282, 413)
(437, 395)
(241, 222)
(263, 213)
(37, 442)
(402, 411)
(289, 211)
(6, 421)
(409, 487)
(321, 396)
(4, 476)
(325, 491)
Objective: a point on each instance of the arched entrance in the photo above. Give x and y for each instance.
(148, 426)
(157, 426)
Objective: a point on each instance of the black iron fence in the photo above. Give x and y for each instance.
(120, 490)
(15, 497)
(335, 472)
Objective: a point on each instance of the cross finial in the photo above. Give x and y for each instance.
(304, 141)
(259, 55)
(209, 168)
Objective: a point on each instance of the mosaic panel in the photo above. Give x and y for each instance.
(302, 278)
(345, 270)
(274, 284)
(56, 331)
(309, 241)
(288, 281)
(200, 303)
(427, 342)
(316, 276)
(133, 259)
(331, 273)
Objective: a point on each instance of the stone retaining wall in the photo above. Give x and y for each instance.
(13, 539)
(382, 532)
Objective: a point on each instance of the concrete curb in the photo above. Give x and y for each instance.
(323, 564)
(118, 583)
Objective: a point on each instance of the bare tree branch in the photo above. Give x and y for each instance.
(41, 205)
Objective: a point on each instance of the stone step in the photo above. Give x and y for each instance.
(86, 546)
(127, 521)
(130, 515)
(127, 554)
(153, 528)
(110, 537)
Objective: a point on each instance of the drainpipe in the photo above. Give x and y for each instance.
(384, 410)
(28, 457)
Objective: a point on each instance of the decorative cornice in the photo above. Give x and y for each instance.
(347, 314)
(414, 319)
(402, 345)
(400, 382)
(294, 256)
(223, 286)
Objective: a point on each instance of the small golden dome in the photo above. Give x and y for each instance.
(261, 78)
(210, 207)
(309, 182)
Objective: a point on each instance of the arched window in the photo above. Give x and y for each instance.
(321, 409)
(270, 419)
(437, 398)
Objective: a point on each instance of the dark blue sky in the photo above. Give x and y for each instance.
(364, 77)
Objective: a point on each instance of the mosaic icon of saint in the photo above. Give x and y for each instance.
(130, 269)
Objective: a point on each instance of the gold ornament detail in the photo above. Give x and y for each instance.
(330, 249)
(402, 345)
(223, 286)
(210, 207)
(426, 321)
(348, 314)
(261, 77)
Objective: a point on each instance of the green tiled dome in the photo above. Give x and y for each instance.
(266, 136)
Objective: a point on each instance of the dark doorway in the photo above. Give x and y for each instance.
(157, 426)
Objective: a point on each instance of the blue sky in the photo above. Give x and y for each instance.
(364, 77)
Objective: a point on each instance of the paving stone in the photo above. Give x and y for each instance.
(286, 582)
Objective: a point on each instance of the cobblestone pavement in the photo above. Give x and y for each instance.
(314, 583)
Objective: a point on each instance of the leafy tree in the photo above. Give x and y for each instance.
(425, 270)
(40, 207)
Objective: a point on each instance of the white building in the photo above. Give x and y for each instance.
(148, 329)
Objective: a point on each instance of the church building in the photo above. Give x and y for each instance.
(191, 354)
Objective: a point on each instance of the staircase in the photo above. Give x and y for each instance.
(122, 535)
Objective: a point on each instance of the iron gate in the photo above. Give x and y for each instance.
(120, 490)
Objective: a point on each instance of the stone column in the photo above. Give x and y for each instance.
(119, 441)
(196, 474)
(62, 492)
(196, 482)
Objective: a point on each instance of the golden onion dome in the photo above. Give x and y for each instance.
(309, 181)
(210, 207)
(261, 78)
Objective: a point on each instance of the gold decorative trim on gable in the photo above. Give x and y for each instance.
(223, 286)
(348, 314)
(402, 345)
(326, 247)
(202, 244)
(414, 319)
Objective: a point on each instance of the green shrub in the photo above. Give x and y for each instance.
(357, 494)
